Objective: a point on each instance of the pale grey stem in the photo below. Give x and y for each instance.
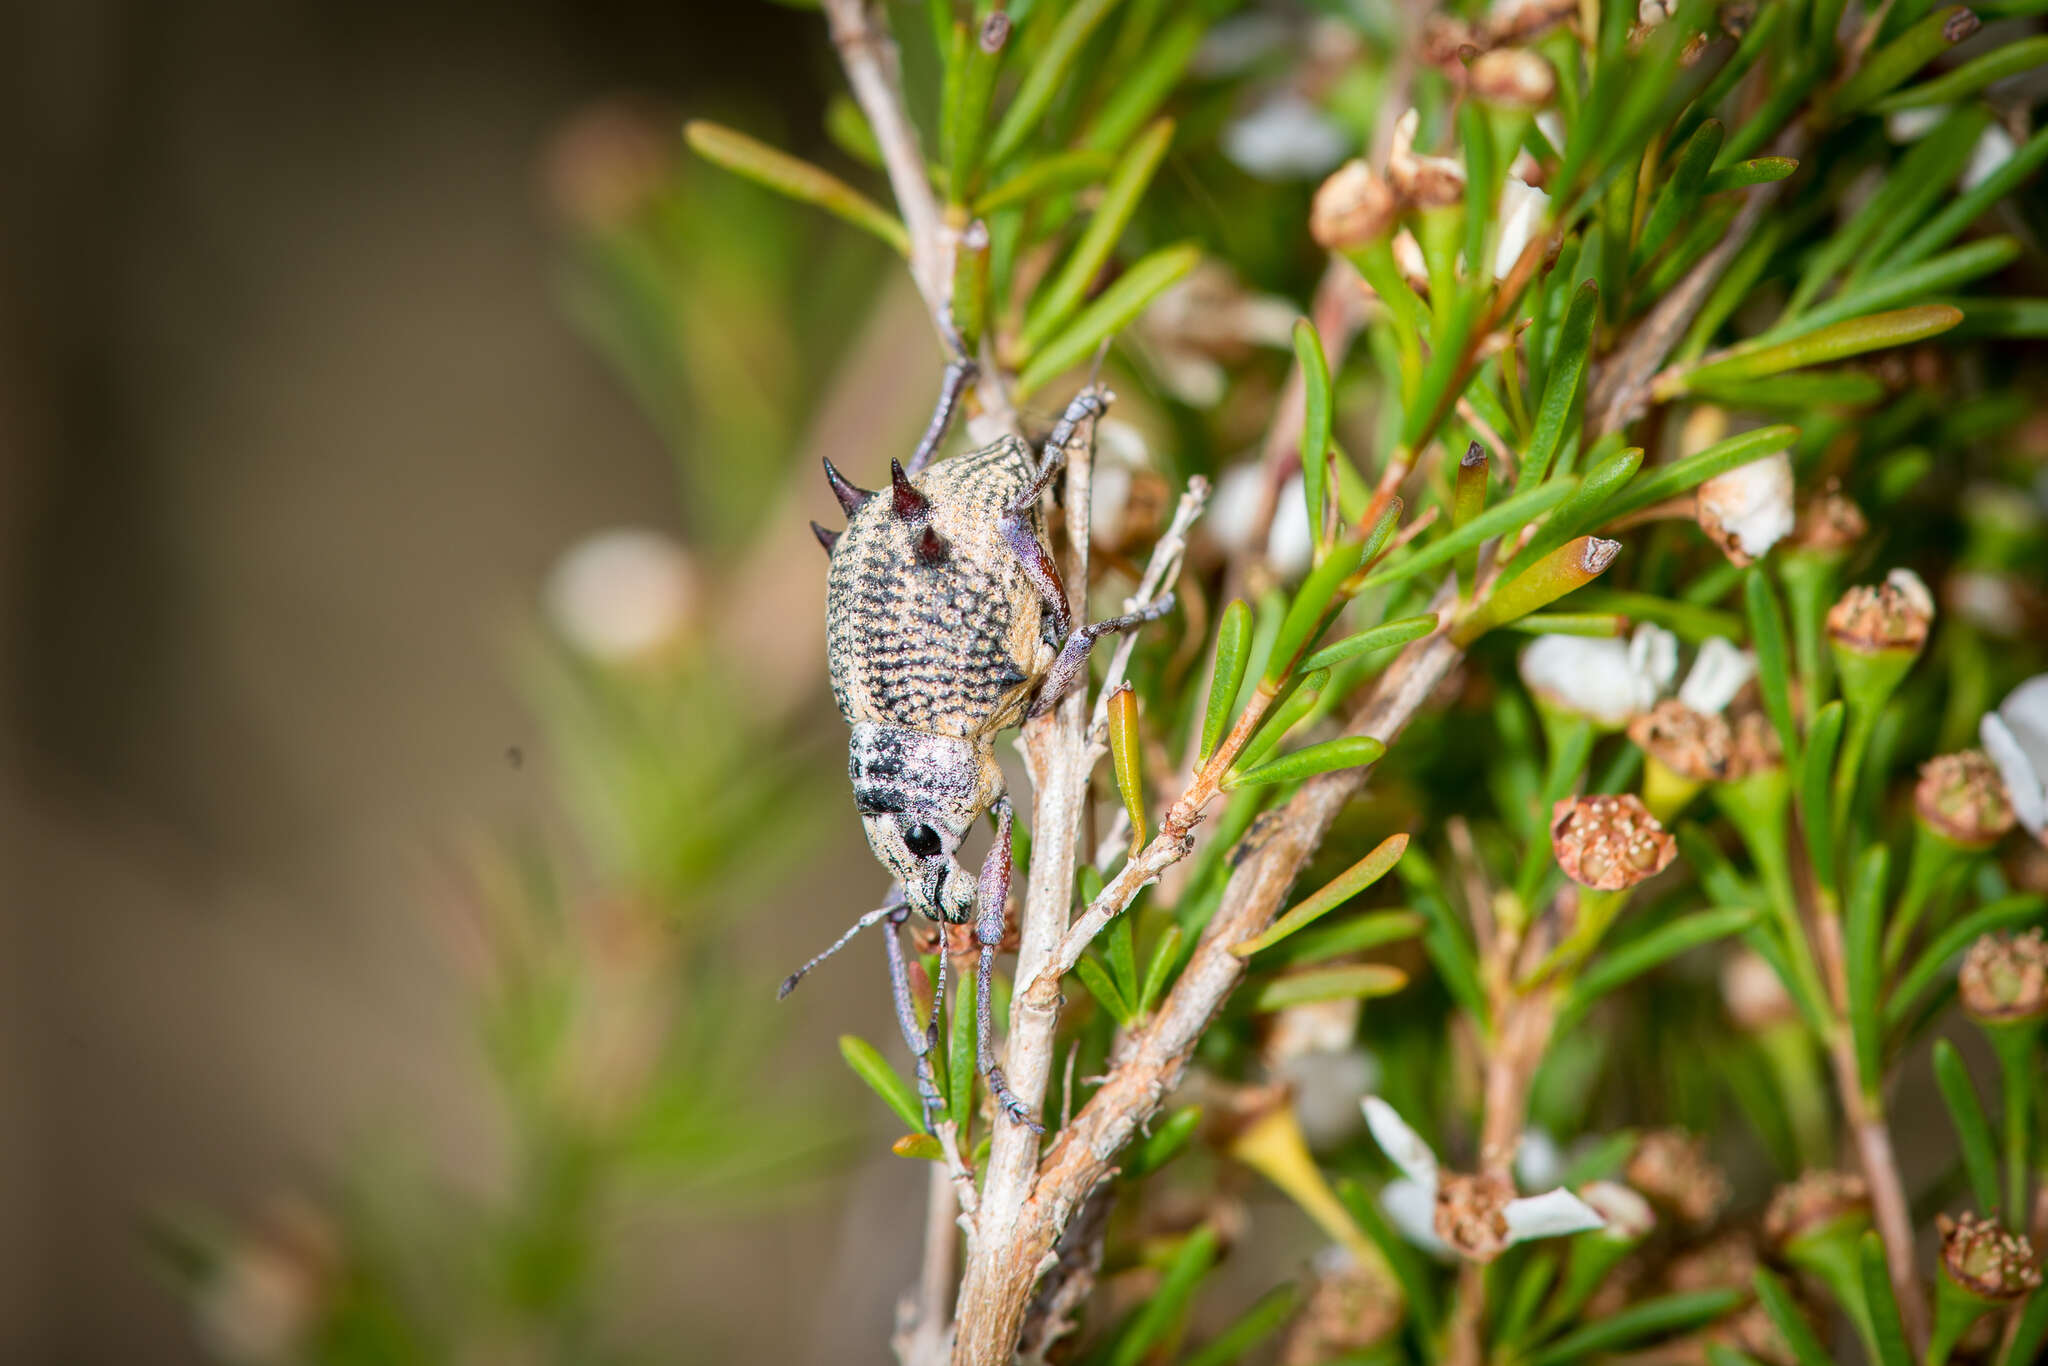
(1162, 569)
(924, 1323)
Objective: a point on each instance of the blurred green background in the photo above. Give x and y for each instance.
(310, 376)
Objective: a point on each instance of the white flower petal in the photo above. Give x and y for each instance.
(1720, 670)
(1913, 588)
(1653, 655)
(1402, 1145)
(1587, 675)
(1753, 502)
(1289, 546)
(1549, 1215)
(1910, 125)
(2016, 738)
(1410, 1207)
(1538, 1160)
(1234, 510)
(1551, 124)
(1285, 138)
(1109, 493)
(1993, 150)
(1628, 1216)
(1522, 210)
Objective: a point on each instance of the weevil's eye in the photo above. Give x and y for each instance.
(921, 840)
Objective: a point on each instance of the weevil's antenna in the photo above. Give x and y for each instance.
(877, 914)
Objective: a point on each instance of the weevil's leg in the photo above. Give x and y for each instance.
(1052, 456)
(960, 373)
(887, 907)
(1039, 570)
(990, 902)
(1072, 663)
(906, 1018)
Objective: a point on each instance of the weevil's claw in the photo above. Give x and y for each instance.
(789, 984)
(1006, 1101)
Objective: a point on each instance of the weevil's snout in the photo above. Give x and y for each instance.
(920, 854)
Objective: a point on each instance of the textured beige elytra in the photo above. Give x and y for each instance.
(952, 646)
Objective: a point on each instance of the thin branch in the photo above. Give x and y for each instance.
(924, 1323)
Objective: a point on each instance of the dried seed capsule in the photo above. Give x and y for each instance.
(1671, 1167)
(1829, 524)
(1471, 1213)
(1892, 616)
(1961, 798)
(2004, 978)
(1693, 744)
(1986, 1261)
(1609, 842)
(1352, 208)
(1513, 78)
(1819, 1203)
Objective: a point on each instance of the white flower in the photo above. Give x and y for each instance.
(1289, 546)
(1538, 1161)
(1523, 209)
(1994, 148)
(1749, 509)
(621, 595)
(1551, 124)
(1411, 1201)
(1720, 670)
(1604, 679)
(1234, 509)
(1285, 138)
(1629, 1216)
(1913, 589)
(1911, 125)
(1650, 13)
(2016, 738)
(1119, 450)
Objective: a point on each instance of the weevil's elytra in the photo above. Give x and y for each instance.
(946, 623)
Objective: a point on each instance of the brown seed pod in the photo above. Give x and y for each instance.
(2004, 978)
(1609, 842)
(1961, 797)
(1985, 1260)
(1893, 615)
(1353, 207)
(1671, 1167)
(1816, 1200)
(1693, 744)
(1471, 1213)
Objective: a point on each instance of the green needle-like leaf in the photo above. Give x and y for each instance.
(1561, 390)
(1164, 954)
(1382, 637)
(1045, 78)
(1351, 982)
(1111, 311)
(1169, 1301)
(1315, 424)
(1755, 171)
(1933, 963)
(1056, 302)
(1349, 751)
(1862, 937)
(1509, 515)
(871, 1067)
(1773, 658)
(1335, 893)
(1823, 738)
(1875, 332)
(1047, 176)
(1623, 965)
(1885, 1325)
(1680, 476)
(1973, 1131)
(1970, 78)
(1096, 978)
(792, 176)
(1884, 69)
(1790, 1322)
(1248, 1330)
(1233, 642)
(1163, 1144)
(1349, 934)
(1639, 1323)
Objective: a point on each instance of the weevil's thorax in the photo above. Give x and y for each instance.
(919, 795)
(930, 623)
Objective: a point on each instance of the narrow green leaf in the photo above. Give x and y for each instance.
(1897, 283)
(1349, 751)
(2004, 318)
(1296, 702)
(1680, 476)
(792, 176)
(1681, 193)
(1164, 1307)
(1249, 1329)
(1582, 511)
(1816, 811)
(918, 1145)
(1884, 1307)
(2024, 1345)
(1862, 936)
(1164, 954)
(1333, 894)
(1509, 515)
(1047, 176)
(1353, 981)
(1561, 390)
(1688, 622)
(1315, 602)
(1116, 306)
(1120, 953)
(1163, 1144)
(1139, 91)
(1382, 637)
(1968, 206)
(1315, 424)
(1350, 934)
(1564, 570)
(1773, 658)
(1793, 392)
(1052, 305)
(1884, 69)
(1756, 171)
(1046, 77)
(1096, 978)
(871, 1067)
(1605, 1160)
(1621, 966)
(1877, 331)
(1790, 1322)
(1233, 638)
(1598, 625)
(1127, 759)
(1962, 82)
(1973, 1131)
(1640, 1323)
(961, 1070)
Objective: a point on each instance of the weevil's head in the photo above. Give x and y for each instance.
(918, 796)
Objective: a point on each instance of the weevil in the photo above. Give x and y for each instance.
(946, 623)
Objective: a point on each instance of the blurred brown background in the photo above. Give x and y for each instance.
(291, 425)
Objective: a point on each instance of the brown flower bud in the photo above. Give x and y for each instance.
(1353, 207)
(1693, 744)
(1961, 797)
(1514, 78)
(1893, 615)
(2004, 978)
(1429, 182)
(1671, 1167)
(1816, 1200)
(1756, 748)
(1471, 1213)
(1829, 523)
(1985, 1260)
(1608, 843)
